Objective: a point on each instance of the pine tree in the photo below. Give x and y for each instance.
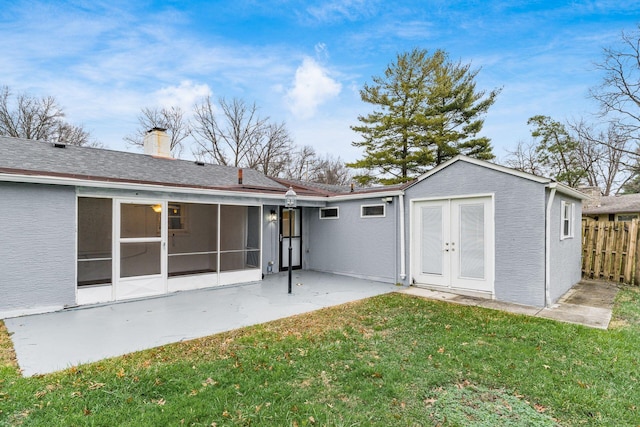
(429, 111)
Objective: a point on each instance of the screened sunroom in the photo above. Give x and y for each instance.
(130, 248)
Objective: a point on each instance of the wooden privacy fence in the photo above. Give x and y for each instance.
(610, 251)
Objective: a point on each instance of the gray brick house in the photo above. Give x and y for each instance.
(84, 225)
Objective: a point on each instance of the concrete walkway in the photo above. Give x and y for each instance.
(50, 342)
(588, 303)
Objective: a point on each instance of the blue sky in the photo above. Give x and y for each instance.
(302, 62)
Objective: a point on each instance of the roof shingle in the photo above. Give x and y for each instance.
(41, 158)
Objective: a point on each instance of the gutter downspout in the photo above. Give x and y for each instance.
(547, 261)
(403, 274)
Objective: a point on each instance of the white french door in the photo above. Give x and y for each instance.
(452, 243)
(140, 260)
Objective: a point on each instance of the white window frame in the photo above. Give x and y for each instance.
(182, 215)
(567, 214)
(336, 208)
(384, 210)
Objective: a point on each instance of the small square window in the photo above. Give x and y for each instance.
(372, 211)
(567, 211)
(176, 216)
(328, 213)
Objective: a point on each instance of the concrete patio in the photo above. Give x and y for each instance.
(50, 342)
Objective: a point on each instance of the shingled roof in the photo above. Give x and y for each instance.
(28, 157)
(624, 203)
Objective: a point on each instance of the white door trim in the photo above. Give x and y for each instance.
(450, 279)
(147, 285)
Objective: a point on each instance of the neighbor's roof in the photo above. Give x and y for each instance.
(623, 203)
(35, 158)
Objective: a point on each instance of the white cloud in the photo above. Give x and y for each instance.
(339, 10)
(321, 50)
(184, 95)
(312, 86)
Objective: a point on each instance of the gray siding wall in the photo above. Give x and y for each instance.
(38, 250)
(519, 212)
(351, 245)
(566, 254)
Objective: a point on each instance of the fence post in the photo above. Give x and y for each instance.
(629, 271)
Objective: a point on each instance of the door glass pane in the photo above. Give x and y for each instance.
(431, 240)
(295, 225)
(139, 259)
(296, 252)
(139, 220)
(472, 241)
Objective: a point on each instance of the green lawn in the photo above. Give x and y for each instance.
(388, 360)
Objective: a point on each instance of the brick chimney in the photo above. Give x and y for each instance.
(157, 143)
(594, 194)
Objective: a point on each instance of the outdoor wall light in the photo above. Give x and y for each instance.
(387, 199)
(273, 216)
(156, 208)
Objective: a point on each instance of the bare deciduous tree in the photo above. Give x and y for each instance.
(604, 155)
(619, 92)
(598, 158)
(235, 135)
(306, 165)
(29, 117)
(67, 132)
(271, 154)
(302, 164)
(228, 137)
(332, 170)
(525, 158)
(171, 118)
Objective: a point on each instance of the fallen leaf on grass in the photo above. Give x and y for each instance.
(95, 386)
(209, 381)
(539, 408)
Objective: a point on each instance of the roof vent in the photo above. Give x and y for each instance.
(59, 145)
(199, 162)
